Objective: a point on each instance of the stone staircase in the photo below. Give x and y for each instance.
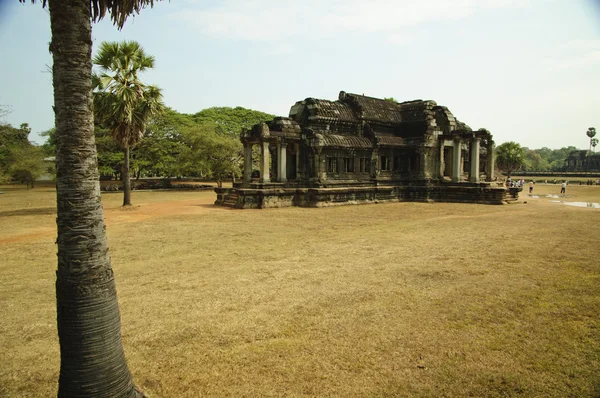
(231, 199)
(512, 195)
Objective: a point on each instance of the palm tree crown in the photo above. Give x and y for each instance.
(122, 103)
(119, 10)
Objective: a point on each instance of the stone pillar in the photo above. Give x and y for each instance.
(281, 162)
(442, 160)
(425, 166)
(247, 162)
(265, 157)
(374, 166)
(489, 172)
(474, 175)
(320, 165)
(299, 173)
(457, 161)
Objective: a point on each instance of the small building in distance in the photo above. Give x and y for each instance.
(360, 149)
(584, 161)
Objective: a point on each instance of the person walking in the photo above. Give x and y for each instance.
(563, 187)
(530, 187)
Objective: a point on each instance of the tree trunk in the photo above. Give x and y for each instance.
(125, 178)
(92, 361)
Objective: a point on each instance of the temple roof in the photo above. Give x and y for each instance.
(389, 140)
(342, 141)
(354, 108)
(319, 109)
(373, 109)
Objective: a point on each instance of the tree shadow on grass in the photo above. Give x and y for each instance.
(37, 211)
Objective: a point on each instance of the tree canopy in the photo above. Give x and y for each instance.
(19, 159)
(230, 121)
(510, 156)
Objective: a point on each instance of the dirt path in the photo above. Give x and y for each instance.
(145, 211)
(119, 215)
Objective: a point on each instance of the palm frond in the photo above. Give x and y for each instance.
(122, 103)
(119, 10)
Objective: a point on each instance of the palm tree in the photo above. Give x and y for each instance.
(122, 103)
(591, 133)
(92, 361)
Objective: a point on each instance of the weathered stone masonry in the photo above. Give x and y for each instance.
(360, 149)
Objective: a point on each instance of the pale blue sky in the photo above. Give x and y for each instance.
(527, 70)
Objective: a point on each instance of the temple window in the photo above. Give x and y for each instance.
(364, 165)
(414, 162)
(348, 164)
(385, 163)
(397, 166)
(332, 165)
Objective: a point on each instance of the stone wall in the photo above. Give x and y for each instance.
(242, 198)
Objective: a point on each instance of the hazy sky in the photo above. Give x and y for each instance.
(527, 70)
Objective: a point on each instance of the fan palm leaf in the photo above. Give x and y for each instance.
(119, 10)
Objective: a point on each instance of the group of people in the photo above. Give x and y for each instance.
(591, 182)
(514, 184)
(520, 183)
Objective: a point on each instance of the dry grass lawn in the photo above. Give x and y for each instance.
(400, 299)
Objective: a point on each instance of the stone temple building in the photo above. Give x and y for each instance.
(360, 149)
(584, 161)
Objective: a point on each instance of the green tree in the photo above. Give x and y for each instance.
(594, 142)
(49, 146)
(110, 154)
(510, 156)
(591, 133)
(12, 140)
(534, 161)
(122, 103)
(211, 154)
(28, 165)
(230, 121)
(92, 362)
(158, 152)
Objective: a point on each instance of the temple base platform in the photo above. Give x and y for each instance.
(261, 196)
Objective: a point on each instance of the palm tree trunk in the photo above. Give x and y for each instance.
(126, 179)
(92, 361)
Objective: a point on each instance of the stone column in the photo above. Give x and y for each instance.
(457, 161)
(282, 162)
(374, 166)
(320, 165)
(425, 166)
(442, 160)
(474, 175)
(247, 162)
(299, 172)
(489, 172)
(265, 157)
